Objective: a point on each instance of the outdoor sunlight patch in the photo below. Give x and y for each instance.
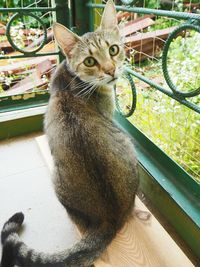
(184, 61)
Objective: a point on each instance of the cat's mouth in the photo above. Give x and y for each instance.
(113, 80)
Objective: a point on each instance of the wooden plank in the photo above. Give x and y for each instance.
(123, 15)
(2, 31)
(32, 81)
(136, 26)
(43, 67)
(26, 85)
(44, 148)
(18, 67)
(141, 18)
(25, 31)
(161, 34)
(50, 47)
(6, 47)
(140, 243)
(191, 6)
(38, 41)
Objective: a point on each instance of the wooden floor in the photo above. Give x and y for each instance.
(25, 185)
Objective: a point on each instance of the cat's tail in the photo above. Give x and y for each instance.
(8, 236)
(83, 254)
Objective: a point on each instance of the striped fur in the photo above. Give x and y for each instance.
(17, 253)
(95, 175)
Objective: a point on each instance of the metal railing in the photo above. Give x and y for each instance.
(63, 15)
(192, 22)
(59, 10)
(79, 16)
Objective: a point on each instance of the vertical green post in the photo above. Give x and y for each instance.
(62, 16)
(62, 12)
(83, 17)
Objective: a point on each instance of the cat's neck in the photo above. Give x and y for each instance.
(103, 100)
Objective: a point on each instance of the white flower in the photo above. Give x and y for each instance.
(21, 32)
(172, 124)
(8, 81)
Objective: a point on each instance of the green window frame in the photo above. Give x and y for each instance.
(171, 190)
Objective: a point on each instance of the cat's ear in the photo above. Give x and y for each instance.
(109, 18)
(65, 38)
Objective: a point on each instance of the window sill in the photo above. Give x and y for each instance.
(173, 193)
(23, 121)
(23, 113)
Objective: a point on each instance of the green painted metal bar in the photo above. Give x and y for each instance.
(23, 101)
(14, 18)
(63, 16)
(62, 12)
(91, 16)
(83, 21)
(172, 35)
(174, 93)
(177, 185)
(177, 97)
(28, 9)
(21, 126)
(170, 212)
(134, 97)
(157, 12)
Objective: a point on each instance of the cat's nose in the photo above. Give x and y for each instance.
(110, 70)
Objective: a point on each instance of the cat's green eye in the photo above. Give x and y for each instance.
(114, 50)
(89, 62)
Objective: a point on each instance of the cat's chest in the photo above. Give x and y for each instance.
(104, 103)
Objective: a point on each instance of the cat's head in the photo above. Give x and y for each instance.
(97, 57)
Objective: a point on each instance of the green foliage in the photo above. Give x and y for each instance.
(163, 23)
(18, 3)
(175, 5)
(184, 61)
(170, 125)
(191, 1)
(152, 3)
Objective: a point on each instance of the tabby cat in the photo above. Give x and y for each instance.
(95, 174)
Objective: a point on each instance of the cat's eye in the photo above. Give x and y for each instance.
(89, 62)
(114, 50)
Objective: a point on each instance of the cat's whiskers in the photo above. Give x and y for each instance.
(99, 81)
(91, 93)
(76, 75)
(79, 86)
(89, 89)
(86, 93)
(85, 89)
